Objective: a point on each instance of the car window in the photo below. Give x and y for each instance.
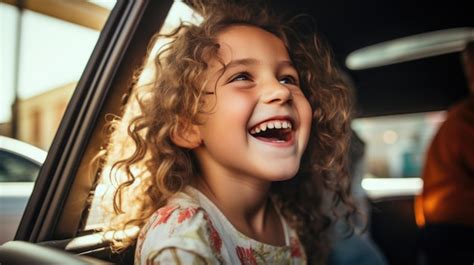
(395, 148)
(15, 168)
(45, 51)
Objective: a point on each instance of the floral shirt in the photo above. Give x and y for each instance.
(190, 229)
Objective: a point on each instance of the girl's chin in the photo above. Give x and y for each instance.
(280, 176)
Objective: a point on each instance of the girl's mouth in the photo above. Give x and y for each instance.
(274, 131)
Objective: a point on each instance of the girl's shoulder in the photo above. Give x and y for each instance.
(181, 212)
(181, 224)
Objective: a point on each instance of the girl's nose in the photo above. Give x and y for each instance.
(276, 93)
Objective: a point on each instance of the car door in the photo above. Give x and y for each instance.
(58, 204)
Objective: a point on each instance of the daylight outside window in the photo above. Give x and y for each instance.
(44, 46)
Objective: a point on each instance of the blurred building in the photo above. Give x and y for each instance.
(39, 116)
(6, 129)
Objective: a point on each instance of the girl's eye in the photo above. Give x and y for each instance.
(288, 80)
(240, 77)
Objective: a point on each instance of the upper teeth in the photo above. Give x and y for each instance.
(271, 125)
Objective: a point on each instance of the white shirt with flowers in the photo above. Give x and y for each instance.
(190, 229)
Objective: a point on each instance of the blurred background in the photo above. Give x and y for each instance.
(45, 45)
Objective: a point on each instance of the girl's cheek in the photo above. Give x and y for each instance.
(306, 114)
(241, 100)
(306, 111)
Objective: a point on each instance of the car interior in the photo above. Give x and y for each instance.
(52, 226)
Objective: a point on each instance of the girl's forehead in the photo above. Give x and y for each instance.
(250, 41)
(246, 32)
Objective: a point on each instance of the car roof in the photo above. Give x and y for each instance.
(28, 151)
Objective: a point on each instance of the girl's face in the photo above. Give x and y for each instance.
(259, 120)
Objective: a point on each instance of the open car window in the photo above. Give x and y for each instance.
(43, 63)
(60, 194)
(48, 49)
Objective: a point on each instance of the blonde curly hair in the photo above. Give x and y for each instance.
(148, 168)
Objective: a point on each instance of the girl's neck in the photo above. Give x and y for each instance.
(238, 197)
(246, 205)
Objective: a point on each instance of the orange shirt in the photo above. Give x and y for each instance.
(448, 175)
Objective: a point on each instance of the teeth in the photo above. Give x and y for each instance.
(271, 125)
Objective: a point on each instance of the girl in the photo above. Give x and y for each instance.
(239, 144)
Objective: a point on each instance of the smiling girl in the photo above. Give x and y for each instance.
(241, 144)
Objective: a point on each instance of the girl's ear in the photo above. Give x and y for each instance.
(186, 135)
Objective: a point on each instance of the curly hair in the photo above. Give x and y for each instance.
(154, 168)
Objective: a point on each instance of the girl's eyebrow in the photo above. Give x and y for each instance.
(284, 64)
(235, 63)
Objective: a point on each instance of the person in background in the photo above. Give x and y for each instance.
(445, 209)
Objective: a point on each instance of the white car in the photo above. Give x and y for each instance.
(19, 165)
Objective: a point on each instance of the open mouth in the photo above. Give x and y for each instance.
(276, 131)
